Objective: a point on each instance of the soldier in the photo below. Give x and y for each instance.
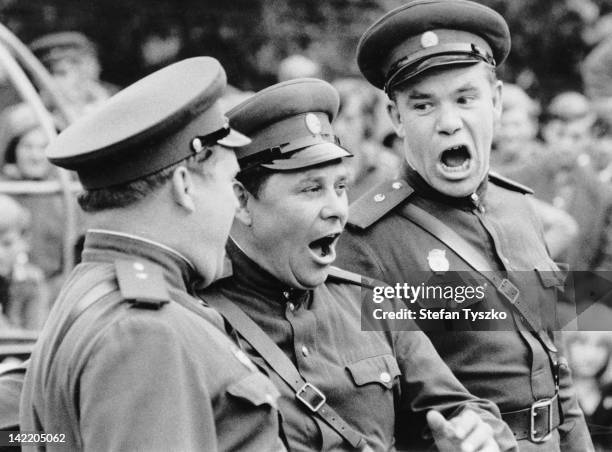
(436, 61)
(72, 60)
(341, 388)
(128, 360)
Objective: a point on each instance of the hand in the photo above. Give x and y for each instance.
(466, 432)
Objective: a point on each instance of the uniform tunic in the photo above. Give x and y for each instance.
(381, 383)
(148, 377)
(503, 363)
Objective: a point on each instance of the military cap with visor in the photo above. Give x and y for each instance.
(426, 34)
(290, 126)
(158, 121)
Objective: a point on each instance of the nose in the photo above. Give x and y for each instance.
(449, 119)
(336, 207)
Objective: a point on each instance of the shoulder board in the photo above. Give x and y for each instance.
(504, 182)
(343, 276)
(374, 204)
(142, 283)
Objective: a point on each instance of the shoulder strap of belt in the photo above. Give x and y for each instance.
(475, 260)
(305, 392)
(89, 296)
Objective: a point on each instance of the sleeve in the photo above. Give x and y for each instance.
(11, 382)
(428, 383)
(573, 432)
(355, 255)
(140, 390)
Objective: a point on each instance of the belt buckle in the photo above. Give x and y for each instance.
(509, 290)
(314, 407)
(533, 433)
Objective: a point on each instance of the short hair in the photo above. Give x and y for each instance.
(491, 75)
(254, 179)
(129, 193)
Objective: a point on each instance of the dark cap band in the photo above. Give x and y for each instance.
(445, 54)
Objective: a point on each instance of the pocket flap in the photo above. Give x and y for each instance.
(550, 274)
(256, 388)
(380, 369)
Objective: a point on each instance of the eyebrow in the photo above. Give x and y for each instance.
(308, 178)
(320, 178)
(417, 95)
(468, 87)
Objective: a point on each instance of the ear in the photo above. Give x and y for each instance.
(243, 213)
(183, 189)
(396, 119)
(497, 99)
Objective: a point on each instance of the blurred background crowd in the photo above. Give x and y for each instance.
(555, 134)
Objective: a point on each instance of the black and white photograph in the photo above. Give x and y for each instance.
(306, 225)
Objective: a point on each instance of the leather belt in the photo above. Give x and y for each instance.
(535, 423)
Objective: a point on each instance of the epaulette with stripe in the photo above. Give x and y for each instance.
(504, 182)
(142, 283)
(377, 202)
(346, 277)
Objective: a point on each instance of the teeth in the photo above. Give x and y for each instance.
(323, 245)
(464, 166)
(455, 159)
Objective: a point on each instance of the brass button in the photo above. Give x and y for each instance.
(291, 306)
(305, 351)
(385, 377)
(396, 185)
(379, 197)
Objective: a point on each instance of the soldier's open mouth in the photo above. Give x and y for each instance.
(323, 246)
(456, 158)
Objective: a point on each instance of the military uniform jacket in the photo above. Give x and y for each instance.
(501, 363)
(381, 383)
(146, 367)
(575, 187)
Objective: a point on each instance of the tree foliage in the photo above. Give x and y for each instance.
(250, 37)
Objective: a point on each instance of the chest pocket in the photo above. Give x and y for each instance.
(380, 369)
(550, 275)
(554, 300)
(255, 388)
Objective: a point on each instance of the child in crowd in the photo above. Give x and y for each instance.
(23, 293)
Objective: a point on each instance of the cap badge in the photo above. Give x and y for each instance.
(429, 39)
(437, 261)
(313, 124)
(197, 145)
